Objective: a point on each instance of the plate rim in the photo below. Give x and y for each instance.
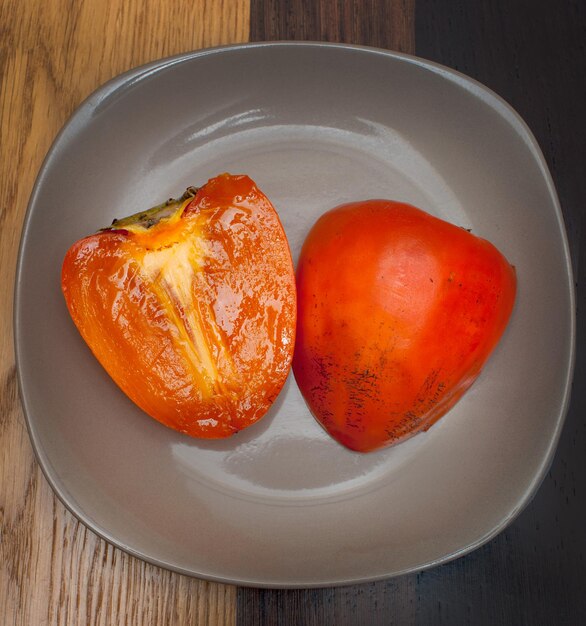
(134, 75)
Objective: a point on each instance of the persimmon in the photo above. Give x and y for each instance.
(398, 311)
(190, 306)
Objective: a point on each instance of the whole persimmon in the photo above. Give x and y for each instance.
(398, 311)
(190, 306)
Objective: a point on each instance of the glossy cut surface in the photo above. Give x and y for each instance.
(398, 312)
(190, 308)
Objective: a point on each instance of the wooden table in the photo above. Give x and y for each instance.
(53, 54)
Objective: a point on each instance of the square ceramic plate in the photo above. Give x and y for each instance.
(281, 504)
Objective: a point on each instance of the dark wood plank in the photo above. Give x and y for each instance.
(386, 603)
(380, 23)
(533, 54)
(386, 24)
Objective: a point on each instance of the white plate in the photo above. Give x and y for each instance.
(281, 504)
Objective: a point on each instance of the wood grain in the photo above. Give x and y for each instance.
(52, 55)
(380, 23)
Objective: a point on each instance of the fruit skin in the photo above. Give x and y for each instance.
(398, 311)
(191, 306)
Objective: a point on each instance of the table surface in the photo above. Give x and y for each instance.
(55, 53)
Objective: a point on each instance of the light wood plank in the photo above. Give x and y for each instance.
(52, 55)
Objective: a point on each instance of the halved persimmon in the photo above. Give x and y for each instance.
(191, 306)
(398, 313)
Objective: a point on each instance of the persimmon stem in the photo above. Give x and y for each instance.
(154, 215)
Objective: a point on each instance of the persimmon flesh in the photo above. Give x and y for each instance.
(191, 306)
